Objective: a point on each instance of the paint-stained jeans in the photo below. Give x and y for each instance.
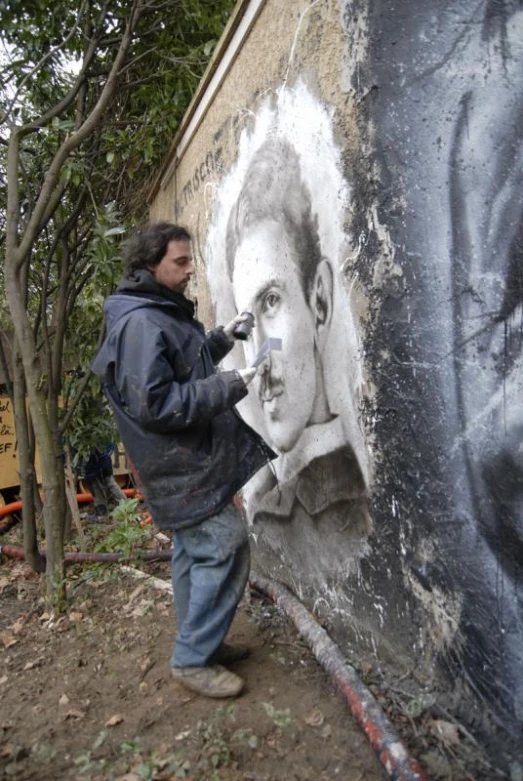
(210, 568)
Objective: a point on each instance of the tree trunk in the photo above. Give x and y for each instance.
(26, 469)
(50, 455)
(49, 450)
(70, 490)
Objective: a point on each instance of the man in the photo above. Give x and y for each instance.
(316, 519)
(191, 450)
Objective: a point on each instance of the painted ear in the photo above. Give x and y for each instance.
(320, 300)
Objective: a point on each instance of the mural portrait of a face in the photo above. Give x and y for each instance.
(278, 274)
(314, 505)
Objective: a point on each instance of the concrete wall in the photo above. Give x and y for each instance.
(353, 176)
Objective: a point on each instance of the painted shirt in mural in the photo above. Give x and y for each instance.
(313, 520)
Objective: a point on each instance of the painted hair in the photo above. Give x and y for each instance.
(147, 246)
(497, 16)
(273, 190)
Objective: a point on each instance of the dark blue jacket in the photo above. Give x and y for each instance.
(99, 464)
(190, 448)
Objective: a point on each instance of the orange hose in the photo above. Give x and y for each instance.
(83, 498)
(7, 509)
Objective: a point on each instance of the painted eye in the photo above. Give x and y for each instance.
(271, 302)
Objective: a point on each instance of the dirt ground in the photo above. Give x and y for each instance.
(88, 696)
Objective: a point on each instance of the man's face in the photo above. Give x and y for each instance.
(176, 267)
(266, 282)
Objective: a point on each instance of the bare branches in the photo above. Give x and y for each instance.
(6, 369)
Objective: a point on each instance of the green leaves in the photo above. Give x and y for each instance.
(280, 718)
(92, 427)
(209, 48)
(127, 534)
(127, 511)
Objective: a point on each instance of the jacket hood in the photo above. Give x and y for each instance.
(139, 290)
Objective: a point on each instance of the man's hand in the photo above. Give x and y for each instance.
(247, 375)
(250, 372)
(229, 328)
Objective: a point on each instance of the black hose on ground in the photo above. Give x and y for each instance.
(15, 552)
(380, 733)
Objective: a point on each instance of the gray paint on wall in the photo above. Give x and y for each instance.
(444, 87)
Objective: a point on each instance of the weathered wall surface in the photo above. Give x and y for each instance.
(356, 183)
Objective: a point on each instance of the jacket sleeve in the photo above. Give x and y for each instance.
(152, 395)
(218, 343)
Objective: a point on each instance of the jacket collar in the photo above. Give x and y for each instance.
(143, 283)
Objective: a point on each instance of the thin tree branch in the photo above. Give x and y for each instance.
(6, 369)
(60, 321)
(62, 105)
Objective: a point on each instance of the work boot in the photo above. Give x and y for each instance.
(213, 681)
(228, 654)
(99, 515)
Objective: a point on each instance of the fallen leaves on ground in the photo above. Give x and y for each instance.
(315, 718)
(446, 731)
(114, 720)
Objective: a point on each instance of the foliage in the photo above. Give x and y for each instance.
(166, 59)
(127, 534)
(93, 427)
(280, 718)
(127, 511)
